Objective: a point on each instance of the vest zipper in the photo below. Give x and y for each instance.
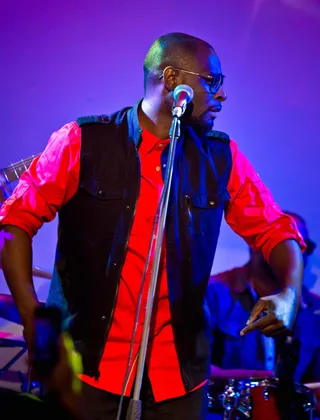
(188, 201)
(97, 375)
(117, 290)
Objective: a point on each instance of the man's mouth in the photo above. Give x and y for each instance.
(214, 110)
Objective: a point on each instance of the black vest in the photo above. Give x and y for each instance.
(94, 227)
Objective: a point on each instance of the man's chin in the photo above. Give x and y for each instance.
(204, 124)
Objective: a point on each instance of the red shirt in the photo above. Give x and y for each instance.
(52, 180)
(162, 361)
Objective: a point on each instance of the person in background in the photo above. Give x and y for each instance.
(231, 295)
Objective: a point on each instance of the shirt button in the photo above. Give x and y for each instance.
(101, 193)
(160, 144)
(211, 203)
(157, 168)
(103, 318)
(128, 208)
(164, 165)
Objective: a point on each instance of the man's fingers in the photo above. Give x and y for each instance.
(260, 324)
(275, 330)
(261, 306)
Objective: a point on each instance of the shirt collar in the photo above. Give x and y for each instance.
(150, 141)
(134, 128)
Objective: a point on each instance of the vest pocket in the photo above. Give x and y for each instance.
(101, 190)
(210, 201)
(206, 212)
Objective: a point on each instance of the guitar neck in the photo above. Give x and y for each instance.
(15, 170)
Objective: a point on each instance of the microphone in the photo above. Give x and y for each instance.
(182, 95)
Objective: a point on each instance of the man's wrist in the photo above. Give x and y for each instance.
(291, 292)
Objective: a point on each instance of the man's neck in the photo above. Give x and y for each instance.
(155, 118)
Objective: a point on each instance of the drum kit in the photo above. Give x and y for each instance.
(262, 399)
(9, 312)
(8, 309)
(250, 398)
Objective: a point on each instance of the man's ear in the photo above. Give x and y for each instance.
(170, 80)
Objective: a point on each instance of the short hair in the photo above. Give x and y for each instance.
(295, 216)
(174, 49)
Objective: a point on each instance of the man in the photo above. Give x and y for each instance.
(231, 295)
(104, 176)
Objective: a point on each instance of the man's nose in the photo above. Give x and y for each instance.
(220, 95)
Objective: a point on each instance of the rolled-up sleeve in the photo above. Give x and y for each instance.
(252, 212)
(49, 183)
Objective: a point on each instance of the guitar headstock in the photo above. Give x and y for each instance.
(15, 170)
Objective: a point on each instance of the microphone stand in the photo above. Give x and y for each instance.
(134, 409)
(287, 362)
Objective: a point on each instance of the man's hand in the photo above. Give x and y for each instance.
(273, 315)
(63, 383)
(64, 379)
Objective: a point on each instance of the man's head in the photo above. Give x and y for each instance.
(176, 59)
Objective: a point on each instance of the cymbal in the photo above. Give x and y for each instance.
(9, 310)
(313, 385)
(38, 272)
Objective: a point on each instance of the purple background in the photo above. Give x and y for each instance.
(64, 59)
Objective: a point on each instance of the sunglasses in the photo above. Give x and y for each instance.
(215, 81)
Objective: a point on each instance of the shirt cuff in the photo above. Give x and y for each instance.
(274, 241)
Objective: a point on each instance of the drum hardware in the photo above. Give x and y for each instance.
(266, 394)
(9, 312)
(210, 401)
(229, 400)
(257, 399)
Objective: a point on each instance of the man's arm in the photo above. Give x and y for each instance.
(253, 214)
(286, 262)
(44, 188)
(16, 258)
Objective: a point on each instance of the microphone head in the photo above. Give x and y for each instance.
(186, 90)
